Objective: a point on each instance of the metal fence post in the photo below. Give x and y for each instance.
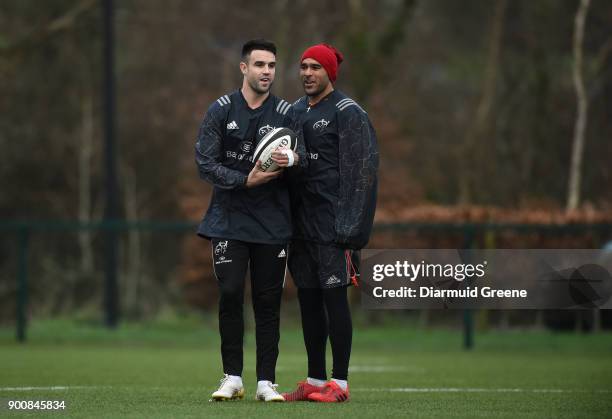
(468, 315)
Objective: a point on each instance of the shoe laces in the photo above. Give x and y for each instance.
(224, 380)
(273, 387)
(329, 388)
(269, 387)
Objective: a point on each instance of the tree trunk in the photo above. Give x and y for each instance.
(133, 264)
(85, 195)
(285, 66)
(481, 122)
(575, 175)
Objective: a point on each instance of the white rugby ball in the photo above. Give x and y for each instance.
(275, 139)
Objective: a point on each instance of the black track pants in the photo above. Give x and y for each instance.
(231, 258)
(326, 312)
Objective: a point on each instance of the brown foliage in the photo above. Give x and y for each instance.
(481, 214)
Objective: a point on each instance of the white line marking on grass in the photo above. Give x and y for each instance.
(52, 388)
(384, 368)
(478, 390)
(379, 389)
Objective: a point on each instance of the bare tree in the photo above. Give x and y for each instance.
(481, 122)
(575, 175)
(85, 187)
(132, 275)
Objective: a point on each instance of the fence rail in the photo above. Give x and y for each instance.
(25, 228)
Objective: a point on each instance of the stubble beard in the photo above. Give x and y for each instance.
(319, 88)
(259, 90)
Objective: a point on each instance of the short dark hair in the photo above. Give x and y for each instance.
(260, 44)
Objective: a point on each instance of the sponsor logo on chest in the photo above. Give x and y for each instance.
(245, 148)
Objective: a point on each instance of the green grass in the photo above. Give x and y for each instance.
(169, 370)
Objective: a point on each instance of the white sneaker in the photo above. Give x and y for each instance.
(230, 389)
(266, 392)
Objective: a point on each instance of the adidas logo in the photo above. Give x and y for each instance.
(232, 125)
(332, 280)
(282, 254)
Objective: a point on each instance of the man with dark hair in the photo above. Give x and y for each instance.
(257, 44)
(333, 205)
(248, 220)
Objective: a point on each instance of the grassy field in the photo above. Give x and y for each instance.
(169, 370)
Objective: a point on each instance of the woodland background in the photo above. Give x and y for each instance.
(474, 102)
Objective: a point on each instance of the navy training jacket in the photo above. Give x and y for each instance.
(334, 198)
(224, 149)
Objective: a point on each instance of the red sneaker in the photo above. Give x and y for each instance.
(302, 391)
(331, 393)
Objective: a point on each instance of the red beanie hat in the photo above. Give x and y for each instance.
(328, 56)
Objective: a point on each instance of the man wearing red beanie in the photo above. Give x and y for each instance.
(333, 203)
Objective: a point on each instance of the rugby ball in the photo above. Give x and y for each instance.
(275, 139)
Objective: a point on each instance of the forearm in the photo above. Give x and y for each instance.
(208, 151)
(358, 171)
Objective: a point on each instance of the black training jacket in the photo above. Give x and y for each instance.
(226, 141)
(334, 199)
